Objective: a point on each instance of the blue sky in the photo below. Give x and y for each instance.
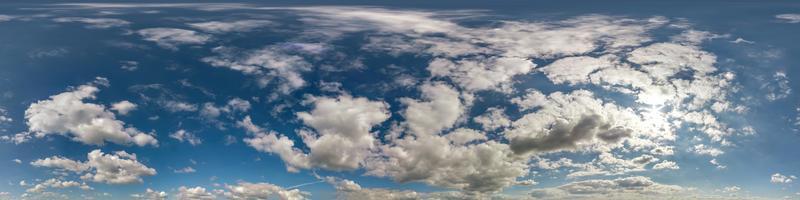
(388, 100)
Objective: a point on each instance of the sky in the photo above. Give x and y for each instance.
(399, 100)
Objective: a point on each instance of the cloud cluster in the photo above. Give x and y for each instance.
(171, 38)
(117, 168)
(150, 194)
(262, 191)
(56, 183)
(69, 115)
(634, 187)
(779, 178)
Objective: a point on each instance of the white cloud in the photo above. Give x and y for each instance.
(129, 65)
(666, 165)
(789, 18)
(438, 109)
(231, 26)
(18, 161)
(267, 64)
(248, 191)
(195, 193)
(342, 138)
(117, 168)
(778, 178)
(493, 119)
(67, 114)
(272, 142)
(481, 73)
(634, 187)
(171, 38)
(3, 116)
(185, 170)
(702, 149)
(778, 87)
(123, 107)
(150, 194)
(99, 23)
(576, 121)
(185, 136)
(179, 106)
(5, 18)
(576, 69)
(56, 183)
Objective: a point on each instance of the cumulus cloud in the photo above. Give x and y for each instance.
(438, 109)
(185, 170)
(262, 191)
(342, 125)
(171, 38)
(571, 122)
(150, 194)
(4, 117)
(666, 165)
(69, 115)
(779, 178)
(185, 136)
(267, 65)
(789, 18)
(493, 119)
(341, 139)
(123, 107)
(194, 193)
(117, 168)
(98, 23)
(634, 187)
(56, 183)
(274, 143)
(481, 73)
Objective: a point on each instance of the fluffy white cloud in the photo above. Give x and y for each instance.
(123, 107)
(67, 114)
(185, 136)
(347, 189)
(438, 109)
(151, 194)
(95, 22)
(61, 164)
(575, 121)
(342, 125)
(195, 193)
(778, 87)
(779, 178)
(3, 116)
(481, 73)
(56, 183)
(185, 170)
(231, 26)
(493, 119)
(262, 191)
(789, 18)
(666, 165)
(267, 64)
(341, 139)
(117, 168)
(702, 149)
(171, 38)
(274, 143)
(635, 187)
(576, 69)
